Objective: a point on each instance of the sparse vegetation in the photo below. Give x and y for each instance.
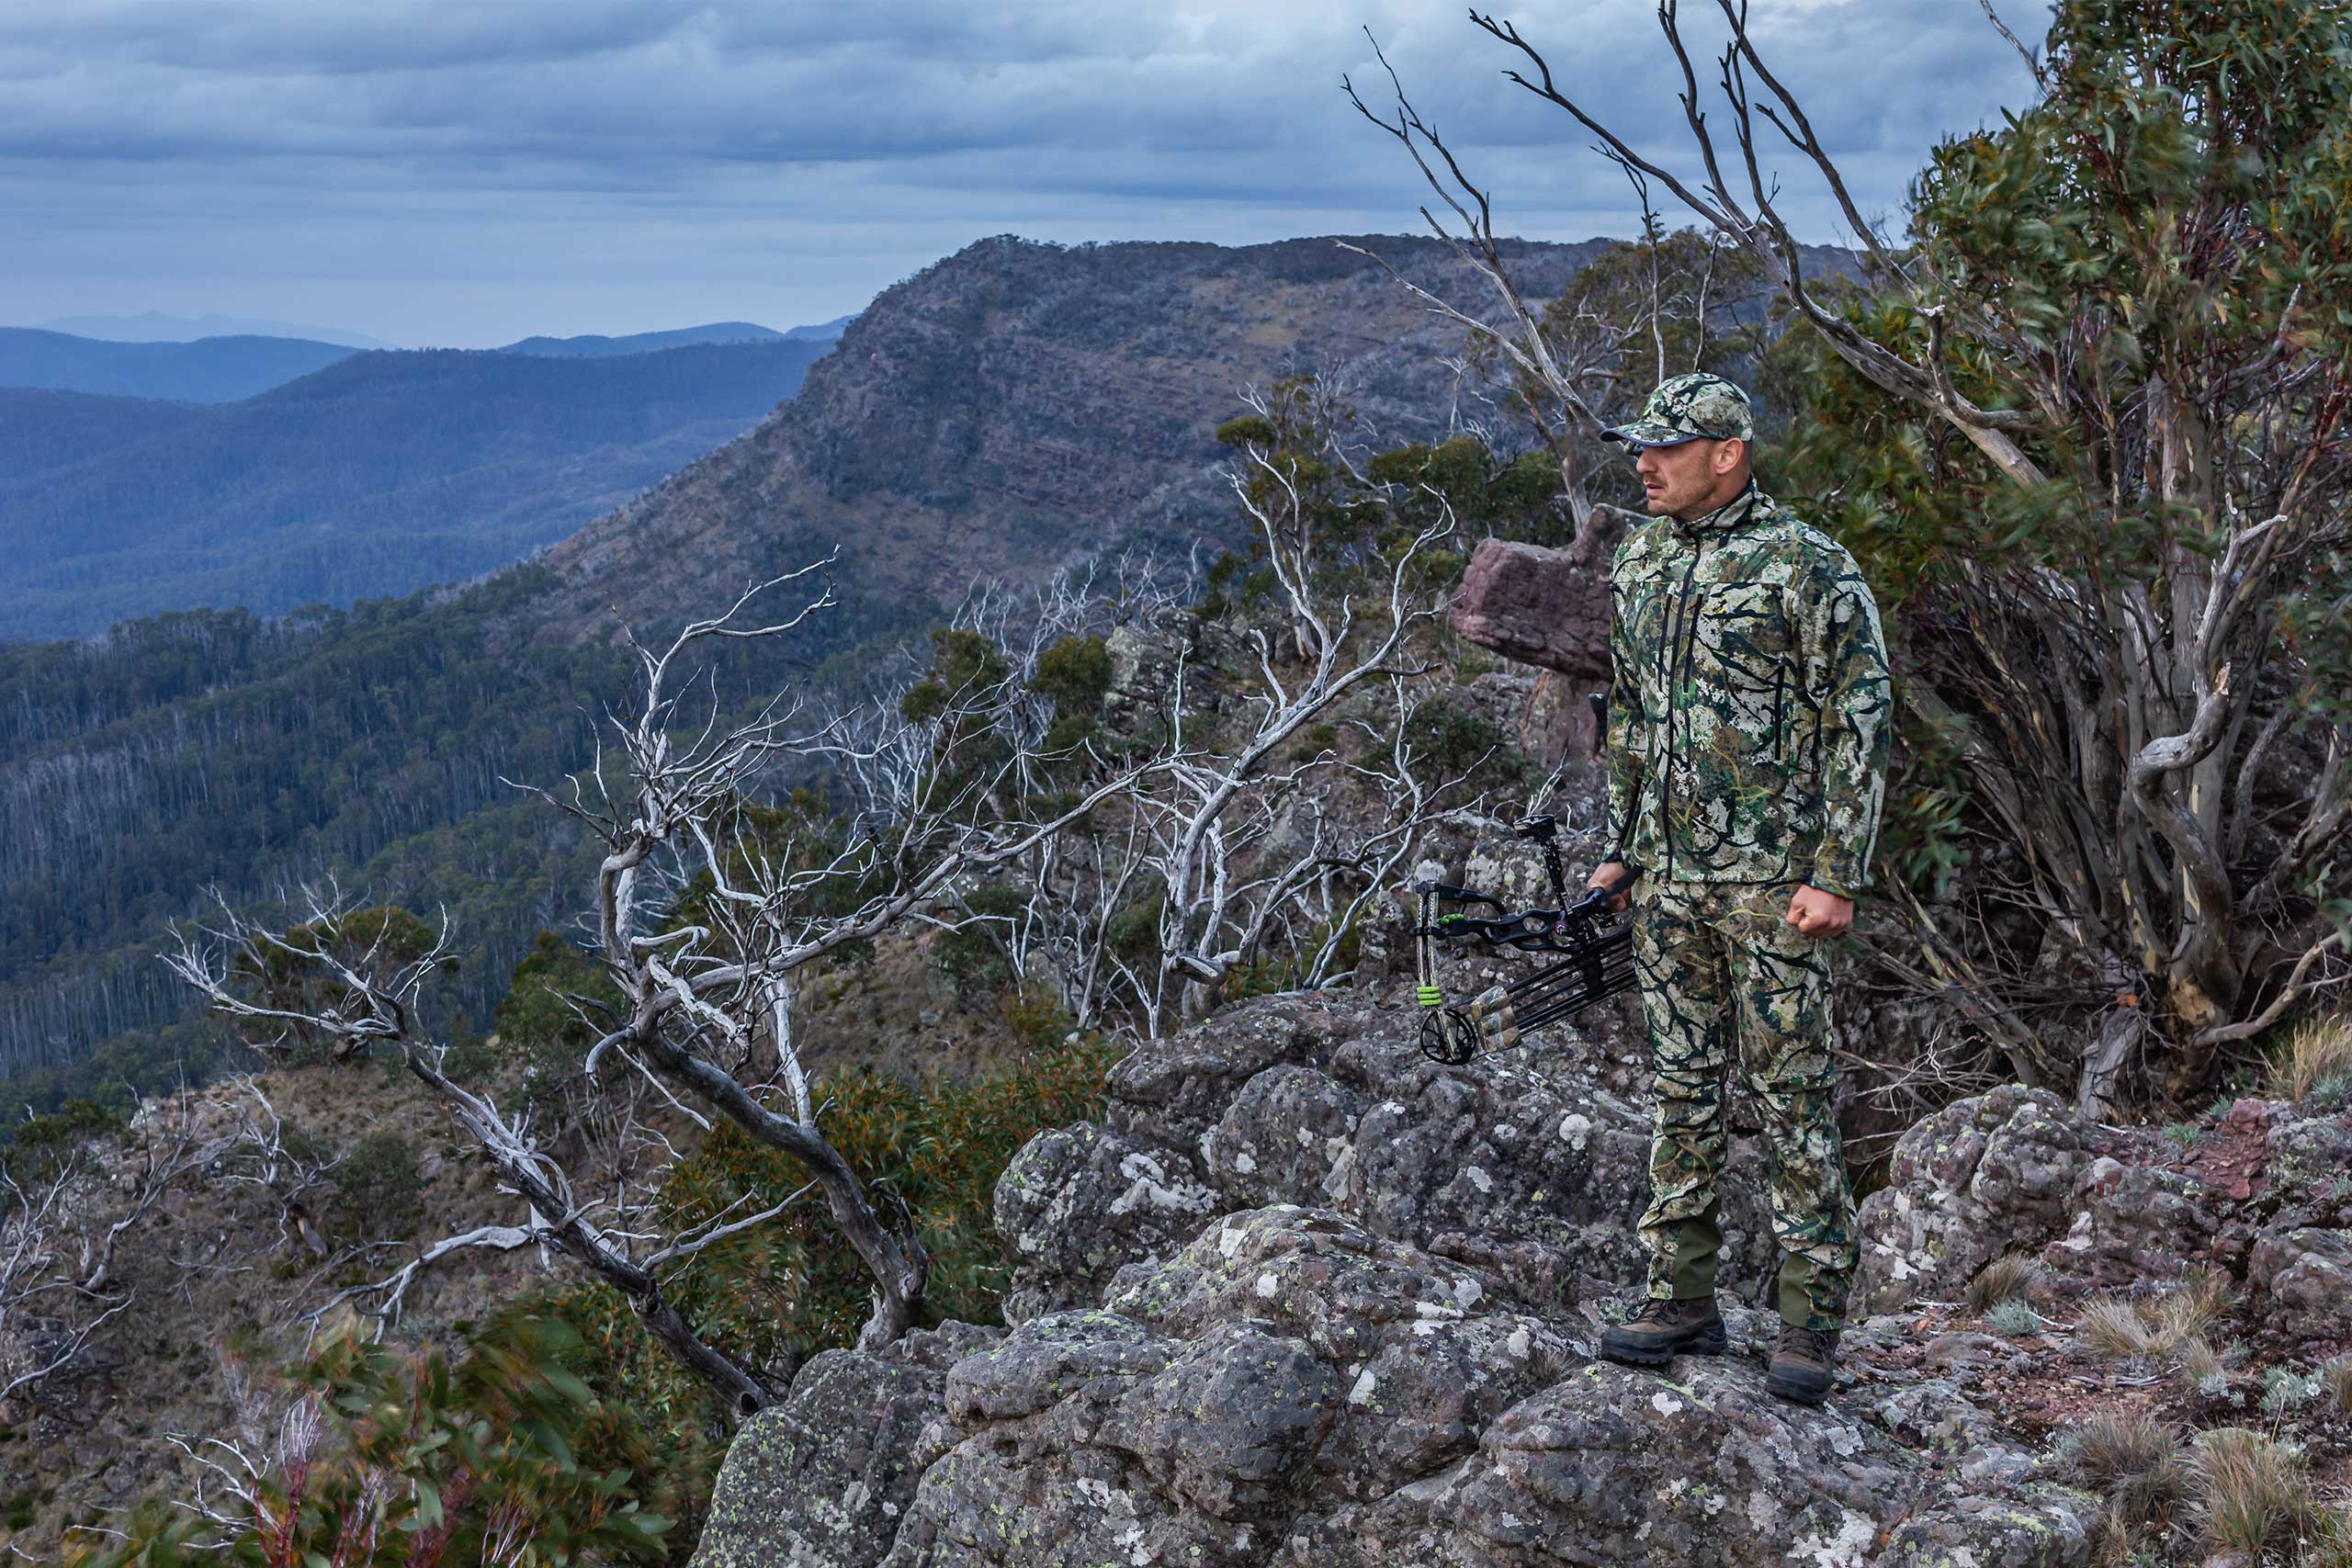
(2204, 1367)
(2316, 1059)
(2283, 1388)
(2016, 1277)
(2123, 1329)
(2137, 1462)
(2338, 1373)
(2013, 1317)
(2253, 1493)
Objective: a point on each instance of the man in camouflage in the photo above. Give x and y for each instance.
(1747, 736)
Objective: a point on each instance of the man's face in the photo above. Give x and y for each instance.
(1681, 480)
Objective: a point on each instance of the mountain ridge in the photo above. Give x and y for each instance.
(207, 370)
(593, 345)
(373, 474)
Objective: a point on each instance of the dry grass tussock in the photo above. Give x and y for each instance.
(2159, 1327)
(2202, 1364)
(2318, 1052)
(2337, 1374)
(2137, 1462)
(2015, 1278)
(2253, 1495)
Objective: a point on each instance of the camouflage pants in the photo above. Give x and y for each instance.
(1727, 982)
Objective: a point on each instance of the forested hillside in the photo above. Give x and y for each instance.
(380, 474)
(1012, 408)
(211, 749)
(42, 429)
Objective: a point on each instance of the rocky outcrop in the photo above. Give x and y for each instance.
(1548, 608)
(1539, 606)
(1299, 1296)
(2259, 1196)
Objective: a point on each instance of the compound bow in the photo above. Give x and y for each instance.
(1596, 943)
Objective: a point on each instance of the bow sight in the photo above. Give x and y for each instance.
(1596, 943)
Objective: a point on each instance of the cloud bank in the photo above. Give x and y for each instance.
(433, 172)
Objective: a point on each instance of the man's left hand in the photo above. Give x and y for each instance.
(1819, 914)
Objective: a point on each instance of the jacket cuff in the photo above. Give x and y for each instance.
(1839, 875)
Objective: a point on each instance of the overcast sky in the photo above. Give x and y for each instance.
(466, 172)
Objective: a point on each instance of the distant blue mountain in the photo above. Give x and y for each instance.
(210, 370)
(592, 346)
(823, 332)
(153, 326)
(372, 477)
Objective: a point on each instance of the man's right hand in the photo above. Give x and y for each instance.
(1609, 873)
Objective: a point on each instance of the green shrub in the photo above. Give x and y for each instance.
(434, 1461)
(379, 1188)
(1074, 674)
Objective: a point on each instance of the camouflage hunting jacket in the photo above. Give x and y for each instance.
(1749, 715)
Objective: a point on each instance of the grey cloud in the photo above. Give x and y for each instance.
(614, 138)
(648, 85)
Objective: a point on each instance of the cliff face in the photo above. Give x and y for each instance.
(1018, 405)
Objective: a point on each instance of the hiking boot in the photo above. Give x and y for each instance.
(1804, 1363)
(1665, 1330)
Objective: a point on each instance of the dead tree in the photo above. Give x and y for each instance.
(707, 1015)
(64, 1210)
(1233, 831)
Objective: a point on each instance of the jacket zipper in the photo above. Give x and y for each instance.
(1679, 670)
(1779, 697)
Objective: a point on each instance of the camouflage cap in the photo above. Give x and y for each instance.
(1688, 408)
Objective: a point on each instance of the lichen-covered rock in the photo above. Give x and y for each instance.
(1303, 1296)
(1231, 1427)
(2312, 1156)
(2037, 1525)
(1170, 1091)
(1281, 1137)
(2136, 1222)
(1425, 1351)
(822, 1480)
(1089, 1353)
(1698, 1466)
(2307, 1274)
(1514, 1166)
(1983, 1176)
(1076, 1203)
(1291, 1387)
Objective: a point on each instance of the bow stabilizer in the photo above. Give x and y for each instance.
(1594, 942)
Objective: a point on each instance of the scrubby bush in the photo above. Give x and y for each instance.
(505, 1457)
(379, 1187)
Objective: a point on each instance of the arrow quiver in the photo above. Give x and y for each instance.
(1595, 944)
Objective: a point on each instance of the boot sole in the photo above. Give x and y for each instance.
(1709, 1342)
(1798, 1393)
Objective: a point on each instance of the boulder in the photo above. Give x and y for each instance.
(2136, 1222)
(1615, 1464)
(2307, 1273)
(1539, 606)
(822, 1480)
(1983, 1177)
(1076, 1203)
